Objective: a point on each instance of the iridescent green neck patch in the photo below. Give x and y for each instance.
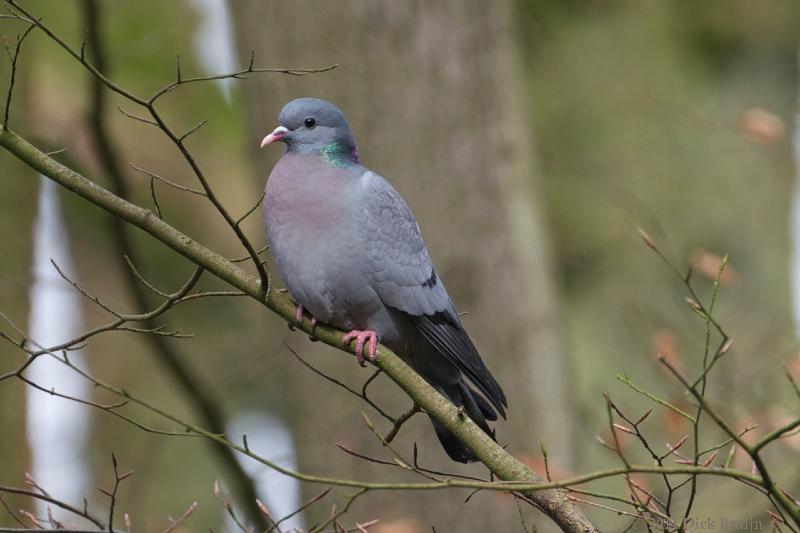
(338, 155)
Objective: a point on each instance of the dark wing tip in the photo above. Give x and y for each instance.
(446, 335)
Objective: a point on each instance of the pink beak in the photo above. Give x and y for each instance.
(276, 135)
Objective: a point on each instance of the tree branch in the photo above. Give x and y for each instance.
(53, 501)
(198, 393)
(505, 467)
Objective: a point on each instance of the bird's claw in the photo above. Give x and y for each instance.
(298, 317)
(362, 337)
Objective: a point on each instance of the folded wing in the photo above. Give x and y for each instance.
(399, 269)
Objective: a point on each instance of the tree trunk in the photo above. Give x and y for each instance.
(17, 206)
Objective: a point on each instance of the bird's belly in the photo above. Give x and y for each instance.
(321, 273)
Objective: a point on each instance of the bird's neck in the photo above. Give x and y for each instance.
(339, 155)
(334, 154)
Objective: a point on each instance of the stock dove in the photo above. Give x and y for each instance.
(350, 253)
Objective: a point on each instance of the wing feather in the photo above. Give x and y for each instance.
(399, 269)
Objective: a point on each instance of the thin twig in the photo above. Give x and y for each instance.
(136, 117)
(164, 180)
(399, 421)
(174, 523)
(14, 57)
(53, 501)
(300, 509)
(342, 385)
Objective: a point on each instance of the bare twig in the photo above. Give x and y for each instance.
(193, 129)
(13, 56)
(791, 379)
(239, 74)
(226, 503)
(53, 501)
(164, 180)
(300, 509)
(174, 523)
(199, 394)
(335, 515)
(398, 423)
(766, 479)
(338, 383)
(137, 117)
(250, 211)
(149, 104)
(122, 319)
(627, 381)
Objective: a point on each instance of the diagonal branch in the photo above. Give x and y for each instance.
(58, 503)
(199, 394)
(506, 467)
(177, 140)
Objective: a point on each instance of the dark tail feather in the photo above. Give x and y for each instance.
(476, 408)
(486, 409)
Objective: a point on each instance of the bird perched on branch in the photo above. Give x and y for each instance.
(351, 254)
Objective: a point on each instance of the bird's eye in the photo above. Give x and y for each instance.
(310, 123)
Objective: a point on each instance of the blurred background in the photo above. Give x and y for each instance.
(531, 139)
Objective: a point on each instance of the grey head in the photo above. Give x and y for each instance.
(314, 126)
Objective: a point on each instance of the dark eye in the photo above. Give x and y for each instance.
(310, 123)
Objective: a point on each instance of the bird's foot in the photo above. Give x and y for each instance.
(362, 337)
(298, 317)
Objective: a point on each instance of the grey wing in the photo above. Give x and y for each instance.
(397, 263)
(400, 271)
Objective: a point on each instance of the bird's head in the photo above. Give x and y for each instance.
(310, 125)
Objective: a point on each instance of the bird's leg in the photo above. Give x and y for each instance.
(313, 336)
(298, 316)
(361, 337)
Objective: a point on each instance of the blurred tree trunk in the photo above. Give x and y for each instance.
(18, 201)
(436, 99)
(17, 207)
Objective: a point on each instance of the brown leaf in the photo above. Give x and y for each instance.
(793, 367)
(674, 424)
(536, 463)
(641, 486)
(708, 263)
(779, 417)
(665, 343)
(761, 126)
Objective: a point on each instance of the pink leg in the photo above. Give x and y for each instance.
(361, 338)
(298, 316)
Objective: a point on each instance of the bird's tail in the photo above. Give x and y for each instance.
(475, 407)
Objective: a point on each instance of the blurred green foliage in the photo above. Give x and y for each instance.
(638, 111)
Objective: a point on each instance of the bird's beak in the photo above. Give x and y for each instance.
(276, 135)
